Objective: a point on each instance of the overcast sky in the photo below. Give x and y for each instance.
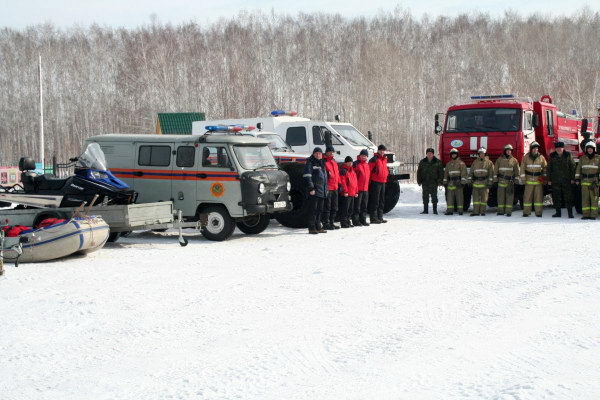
(64, 13)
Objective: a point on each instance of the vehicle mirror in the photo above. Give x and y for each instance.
(584, 125)
(370, 135)
(259, 126)
(535, 121)
(327, 138)
(438, 127)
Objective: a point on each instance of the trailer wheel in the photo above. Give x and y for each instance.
(219, 224)
(47, 214)
(392, 195)
(254, 225)
(577, 198)
(493, 196)
(298, 216)
(113, 237)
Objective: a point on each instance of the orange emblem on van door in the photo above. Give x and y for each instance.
(217, 189)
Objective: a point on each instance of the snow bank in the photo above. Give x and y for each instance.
(424, 307)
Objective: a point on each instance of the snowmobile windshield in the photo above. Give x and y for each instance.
(352, 135)
(255, 157)
(484, 120)
(92, 158)
(276, 143)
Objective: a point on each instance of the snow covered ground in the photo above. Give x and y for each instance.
(424, 307)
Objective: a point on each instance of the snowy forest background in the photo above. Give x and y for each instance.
(389, 74)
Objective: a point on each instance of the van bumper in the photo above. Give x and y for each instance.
(252, 209)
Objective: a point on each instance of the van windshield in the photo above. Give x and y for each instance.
(255, 157)
(484, 120)
(352, 135)
(276, 143)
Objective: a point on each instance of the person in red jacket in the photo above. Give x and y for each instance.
(349, 192)
(379, 175)
(363, 176)
(330, 207)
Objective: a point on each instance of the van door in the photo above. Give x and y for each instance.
(153, 172)
(185, 178)
(318, 139)
(218, 181)
(297, 137)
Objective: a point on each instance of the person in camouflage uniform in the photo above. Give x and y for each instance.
(586, 174)
(533, 172)
(561, 172)
(481, 176)
(506, 171)
(430, 175)
(455, 177)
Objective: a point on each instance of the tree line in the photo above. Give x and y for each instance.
(388, 74)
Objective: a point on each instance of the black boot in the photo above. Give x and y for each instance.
(425, 209)
(435, 208)
(570, 211)
(557, 214)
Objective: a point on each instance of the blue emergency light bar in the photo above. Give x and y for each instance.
(223, 128)
(499, 96)
(280, 113)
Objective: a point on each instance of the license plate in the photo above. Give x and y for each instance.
(279, 204)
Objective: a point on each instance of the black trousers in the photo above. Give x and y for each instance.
(376, 200)
(346, 208)
(330, 208)
(360, 207)
(315, 207)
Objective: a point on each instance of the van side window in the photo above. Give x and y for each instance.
(154, 156)
(186, 156)
(319, 139)
(215, 157)
(550, 122)
(296, 136)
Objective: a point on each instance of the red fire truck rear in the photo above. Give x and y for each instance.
(495, 121)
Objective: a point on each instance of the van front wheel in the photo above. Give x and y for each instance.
(254, 225)
(219, 224)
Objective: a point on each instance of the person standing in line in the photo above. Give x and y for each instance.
(455, 177)
(330, 207)
(349, 192)
(561, 175)
(315, 178)
(506, 170)
(481, 177)
(363, 177)
(586, 175)
(430, 174)
(533, 172)
(379, 175)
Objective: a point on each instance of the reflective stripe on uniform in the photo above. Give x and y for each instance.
(533, 183)
(452, 187)
(589, 208)
(505, 169)
(307, 175)
(478, 186)
(589, 166)
(503, 185)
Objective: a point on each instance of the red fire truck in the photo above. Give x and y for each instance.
(495, 121)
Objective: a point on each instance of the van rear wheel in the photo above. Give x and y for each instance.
(392, 195)
(254, 225)
(219, 224)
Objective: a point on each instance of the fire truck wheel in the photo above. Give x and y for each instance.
(577, 198)
(298, 216)
(392, 195)
(254, 225)
(219, 224)
(468, 192)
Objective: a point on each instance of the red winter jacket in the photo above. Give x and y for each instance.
(348, 180)
(363, 174)
(379, 169)
(333, 173)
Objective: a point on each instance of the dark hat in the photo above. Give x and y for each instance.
(559, 144)
(348, 159)
(430, 150)
(317, 150)
(364, 152)
(329, 148)
(381, 147)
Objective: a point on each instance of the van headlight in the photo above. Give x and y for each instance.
(288, 186)
(261, 188)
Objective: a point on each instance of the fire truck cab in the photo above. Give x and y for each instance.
(495, 121)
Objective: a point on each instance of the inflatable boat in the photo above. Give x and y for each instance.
(76, 235)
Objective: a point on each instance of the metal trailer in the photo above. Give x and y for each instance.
(121, 218)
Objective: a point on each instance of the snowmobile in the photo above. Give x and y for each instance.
(91, 179)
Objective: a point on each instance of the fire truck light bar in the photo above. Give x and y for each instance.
(224, 128)
(500, 96)
(280, 113)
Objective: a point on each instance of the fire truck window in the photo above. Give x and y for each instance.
(528, 121)
(215, 157)
(550, 122)
(154, 156)
(186, 156)
(296, 136)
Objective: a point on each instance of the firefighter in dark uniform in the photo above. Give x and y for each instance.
(430, 175)
(561, 175)
(315, 178)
